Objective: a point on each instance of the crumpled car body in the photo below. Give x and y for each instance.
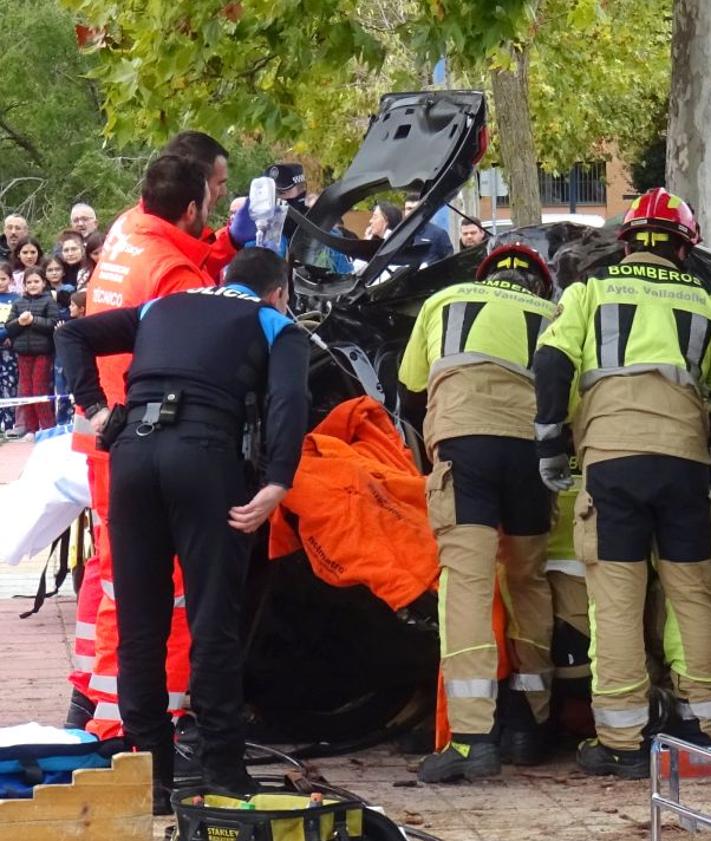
(427, 142)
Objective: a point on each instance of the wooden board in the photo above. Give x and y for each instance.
(101, 804)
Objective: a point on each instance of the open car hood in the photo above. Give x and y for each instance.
(425, 142)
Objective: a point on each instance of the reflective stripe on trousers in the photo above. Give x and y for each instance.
(693, 710)
(108, 588)
(527, 683)
(83, 662)
(471, 688)
(636, 717)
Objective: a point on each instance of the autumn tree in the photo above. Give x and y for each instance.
(565, 77)
(688, 162)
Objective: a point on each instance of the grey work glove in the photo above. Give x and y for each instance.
(555, 472)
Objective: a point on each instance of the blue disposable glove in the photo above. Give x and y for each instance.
(242, 228)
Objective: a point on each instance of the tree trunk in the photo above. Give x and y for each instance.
(518, 153)
(689, 133)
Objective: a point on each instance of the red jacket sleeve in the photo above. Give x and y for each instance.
(221, 252)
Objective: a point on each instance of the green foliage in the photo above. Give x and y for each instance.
(597, 69)
(304, 74)
(50, 124)
(596, 74)
(217, 66)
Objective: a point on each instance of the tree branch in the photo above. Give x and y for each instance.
(21, 140)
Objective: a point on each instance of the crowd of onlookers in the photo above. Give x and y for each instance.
(39, 289)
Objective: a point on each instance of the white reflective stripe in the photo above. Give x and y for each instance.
(546, 431)
(472, 688)
(455, 327)
(104, 683)
(179, 601)
(527, 683)
(85, 630)
(543, 326)
(470, 357)
(697, 336)
(636, 717)
(82, 426)
(108, 588)
(569, 567)
(175, 700)
(83, 662)
(107, 712)
(692, 710)
(676, 375)
(610, 336)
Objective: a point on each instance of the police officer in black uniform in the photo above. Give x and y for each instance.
(178, 487)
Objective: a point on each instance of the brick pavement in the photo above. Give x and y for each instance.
(13, 455)
(36, 656)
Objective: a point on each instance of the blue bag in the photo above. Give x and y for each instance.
(24, 766)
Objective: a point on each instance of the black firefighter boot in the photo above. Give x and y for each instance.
(599, 760)
(458, 759)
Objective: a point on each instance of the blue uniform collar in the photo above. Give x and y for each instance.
(241, 287)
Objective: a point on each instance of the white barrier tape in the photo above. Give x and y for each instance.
(8, 402)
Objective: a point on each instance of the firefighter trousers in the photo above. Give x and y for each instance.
(485, 490)
(629, 505)
(170, 494)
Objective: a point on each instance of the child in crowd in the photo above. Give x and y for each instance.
(61, 291)
(30, 326)
(93, 245)
(27, 253)
(77, 305)
(73, 254)
(8, 359)
(64, 406)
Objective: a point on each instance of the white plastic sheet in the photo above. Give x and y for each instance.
(49, 495)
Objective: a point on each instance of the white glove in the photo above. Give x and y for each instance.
(555, 473)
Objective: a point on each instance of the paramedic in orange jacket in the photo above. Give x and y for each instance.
(144, 257)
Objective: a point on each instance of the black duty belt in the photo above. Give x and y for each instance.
(147, 416)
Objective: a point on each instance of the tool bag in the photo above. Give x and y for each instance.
(212, 816)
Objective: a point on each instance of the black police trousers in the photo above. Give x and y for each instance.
(170, 493)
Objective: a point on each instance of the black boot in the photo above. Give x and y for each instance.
(80, 712)
(599, 760)
(523, 747)
(235, 779)
(458, 760)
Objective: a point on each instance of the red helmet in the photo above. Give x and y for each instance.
(658, 210)
(516, 255)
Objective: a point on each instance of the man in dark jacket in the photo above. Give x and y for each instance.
(435, 238)
(15, 228)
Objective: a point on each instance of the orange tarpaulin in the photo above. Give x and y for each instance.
(359, 512)
(360, 504)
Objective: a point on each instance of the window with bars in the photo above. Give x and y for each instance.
(588, 186)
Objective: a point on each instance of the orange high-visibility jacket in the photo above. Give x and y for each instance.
(361, 510)
(144, 257)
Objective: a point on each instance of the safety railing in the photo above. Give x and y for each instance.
(690, 819)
